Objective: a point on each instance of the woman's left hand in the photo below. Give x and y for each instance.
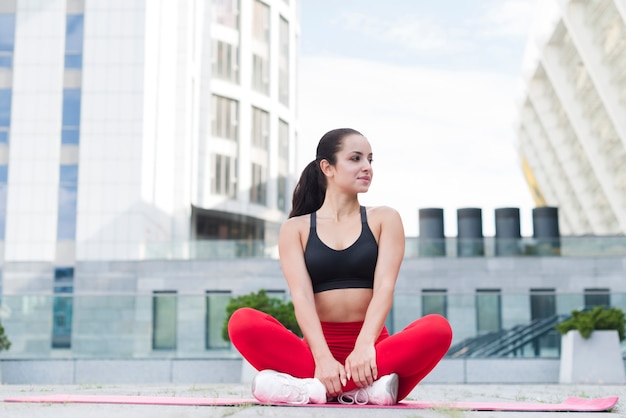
(361, 365)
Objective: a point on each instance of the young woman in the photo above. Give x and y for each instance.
(341, 262)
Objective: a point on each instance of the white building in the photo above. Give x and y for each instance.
(572, 123)
(128, 123)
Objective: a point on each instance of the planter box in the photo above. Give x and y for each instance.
(597, 360)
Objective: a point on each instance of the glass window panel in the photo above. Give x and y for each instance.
(70, 136)
(283, 63)
(281, 201)
(5, 107)
(4, 173)
(597, 297)
(6, 60)
(74, 33)
(434, 301)
(261, 22)
(66, 221)
(164, 320)
(226, 12)
(73, 60)
(4, 136)
(63, 274)
(488, 311)
(3, 210)
(71, 107)
(542, 303)
(216, 302)
(69, 174)
(62, 321)
(7, 32)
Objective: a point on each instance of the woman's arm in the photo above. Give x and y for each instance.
(361, 363)
(327, 369)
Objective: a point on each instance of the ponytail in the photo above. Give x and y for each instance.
(310, 191)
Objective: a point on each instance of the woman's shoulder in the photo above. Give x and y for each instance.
(296, 223)
(382, 212)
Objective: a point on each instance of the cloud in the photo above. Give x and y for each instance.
(409, 32)
(440, 138)
(511, 18)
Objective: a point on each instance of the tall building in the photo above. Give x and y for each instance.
(572, 122)
(129, 123)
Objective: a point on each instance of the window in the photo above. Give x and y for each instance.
(434, 301)
(74, 40)
(5, 108)
(597, 297)
(543, 305)
(68, 191)
(224, 118)
(261, 22)
(164, 320)
(283, 164)
(261, 47)
(283, 63)
(3, 200)
(225, 61)
(488, 311)
(258, 189)
(224, 181)
(226, 12)
(216, 302)
(260, 74)
(71, 107)
(7, 32)
(260, 128)
(62, 305)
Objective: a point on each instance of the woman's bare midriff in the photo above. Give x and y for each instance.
(342, 305)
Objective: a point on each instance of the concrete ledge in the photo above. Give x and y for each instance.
(228, 370)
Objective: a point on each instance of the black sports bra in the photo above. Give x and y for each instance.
(352, 267)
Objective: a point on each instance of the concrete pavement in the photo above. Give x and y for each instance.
(432, 392)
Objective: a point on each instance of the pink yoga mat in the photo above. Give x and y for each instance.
(569, 405)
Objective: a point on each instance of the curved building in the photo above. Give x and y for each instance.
(572, 121)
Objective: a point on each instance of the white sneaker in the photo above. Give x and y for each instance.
(383, 391)
(270, 386)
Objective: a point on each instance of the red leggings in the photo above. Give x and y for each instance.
(411, 353)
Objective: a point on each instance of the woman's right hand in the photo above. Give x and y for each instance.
(332, 374)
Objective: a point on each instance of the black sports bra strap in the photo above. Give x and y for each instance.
(313, 218)
(363, 215)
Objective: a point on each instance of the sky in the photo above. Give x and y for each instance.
(435, 87)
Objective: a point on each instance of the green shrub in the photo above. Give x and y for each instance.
(5, 344)
(282, 311)
(599, 318)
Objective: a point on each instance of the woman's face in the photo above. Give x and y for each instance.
(353, 170)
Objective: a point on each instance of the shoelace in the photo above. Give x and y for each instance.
(356, 396)
(294, 393)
